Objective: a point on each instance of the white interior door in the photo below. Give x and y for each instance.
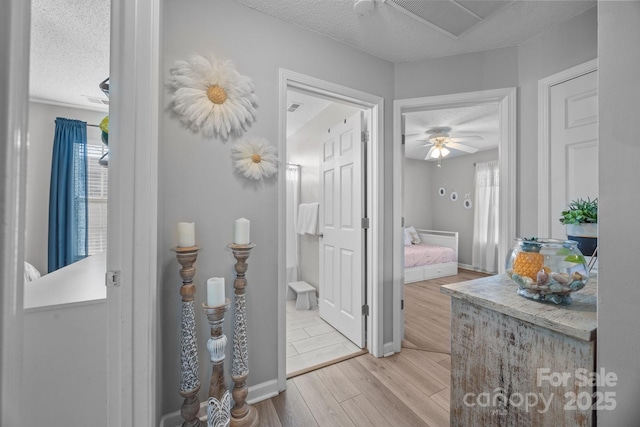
(341, 242)
(573, 162)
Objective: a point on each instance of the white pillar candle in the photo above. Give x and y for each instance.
(186, 234)
(241, 236)
(215, 291)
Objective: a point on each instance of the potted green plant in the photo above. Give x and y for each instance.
(581, 219)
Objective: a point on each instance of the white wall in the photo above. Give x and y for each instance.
(304, 148)
(619, 240)
(40, 149)
(197, 181)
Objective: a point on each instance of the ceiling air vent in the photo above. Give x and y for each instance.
(293, 107)
(452, 17)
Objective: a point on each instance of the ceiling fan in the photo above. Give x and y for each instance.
(440, 141)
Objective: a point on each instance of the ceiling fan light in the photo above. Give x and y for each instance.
(444, 151)
(435, 153)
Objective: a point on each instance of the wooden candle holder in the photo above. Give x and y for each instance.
(219, 402)
(189, 382)
(242, 414)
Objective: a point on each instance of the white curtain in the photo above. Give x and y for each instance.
(484, 254)
(292, 244)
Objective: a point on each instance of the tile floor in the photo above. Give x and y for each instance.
(311, 341)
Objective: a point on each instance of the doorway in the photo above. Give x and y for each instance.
(505, 100)
(320, 325)
(347, 104)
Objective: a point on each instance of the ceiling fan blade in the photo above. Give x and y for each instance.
(461, 147)
(424, 140)
(428, 156)
(466, 138)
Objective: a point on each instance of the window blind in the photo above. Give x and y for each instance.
(98, 185)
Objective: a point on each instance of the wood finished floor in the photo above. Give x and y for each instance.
(427, 313)
(407, 389)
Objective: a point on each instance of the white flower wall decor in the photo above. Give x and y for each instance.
(212, 97)
(255, 158)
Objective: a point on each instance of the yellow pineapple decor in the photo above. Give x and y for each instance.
(529, 261)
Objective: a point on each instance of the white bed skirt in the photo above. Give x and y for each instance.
(434, 271)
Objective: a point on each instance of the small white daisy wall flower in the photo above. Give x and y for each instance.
(212, 97)
(255, 158)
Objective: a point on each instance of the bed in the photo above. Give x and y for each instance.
(436, 255)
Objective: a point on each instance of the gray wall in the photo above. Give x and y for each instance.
(40, 148)
(197, 182)
(619, 241)
(556, 49)
(457, 174)
(569, 44)
(422, 199)
(417, 194)
(305, 149)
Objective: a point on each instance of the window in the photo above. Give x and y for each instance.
(98, 183)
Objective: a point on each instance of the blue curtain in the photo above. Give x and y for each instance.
(68, 216)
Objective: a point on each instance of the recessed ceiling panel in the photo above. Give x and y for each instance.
(484, 8)
(448, 16)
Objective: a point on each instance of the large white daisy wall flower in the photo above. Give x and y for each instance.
(212, 97)
(255, 158)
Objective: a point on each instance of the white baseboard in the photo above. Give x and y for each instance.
(472, 268)
(387, 349)
(257, 393)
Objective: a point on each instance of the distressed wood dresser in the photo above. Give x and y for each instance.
(520, 362)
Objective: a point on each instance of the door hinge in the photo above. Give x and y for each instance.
(112, 278)
(365, 136)
(365, 310)
(402, 139)
(401, 304)
(365, 223)
(402, 222)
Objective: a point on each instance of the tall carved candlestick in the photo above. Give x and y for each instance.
(242, 414)
(219, 402)
(189, 382)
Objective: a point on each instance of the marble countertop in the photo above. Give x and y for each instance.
(498, 293)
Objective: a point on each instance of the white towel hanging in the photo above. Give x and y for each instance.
(307, 218)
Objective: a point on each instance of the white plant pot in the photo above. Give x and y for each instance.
(583, 230)
(586, 235)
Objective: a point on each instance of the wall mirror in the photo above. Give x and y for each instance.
(74, 89)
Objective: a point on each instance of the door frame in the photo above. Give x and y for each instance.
(14, 112)
(544, 141)
(506, 100)
(374, 108)
(135, 116)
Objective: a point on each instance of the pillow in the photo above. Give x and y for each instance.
(30, 272)
(415, 237)
(407, 238)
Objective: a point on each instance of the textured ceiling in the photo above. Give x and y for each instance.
(69, 51)
(70, 38)
(474, 121)
(395, 36)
